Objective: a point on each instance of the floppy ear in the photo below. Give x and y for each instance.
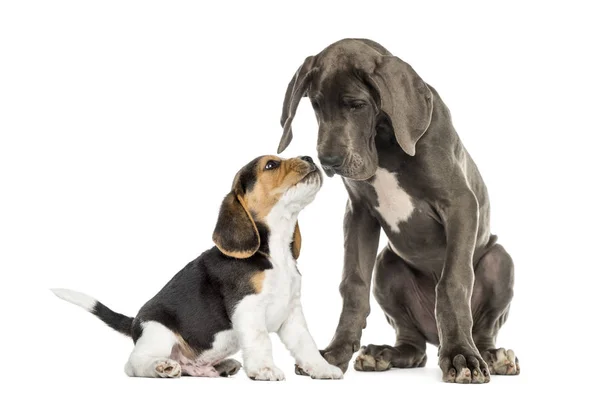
(235, 234)
(296, 242)
(295, 91)
(405, 98)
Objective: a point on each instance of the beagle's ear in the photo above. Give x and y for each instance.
(236, 234)
(296, 242)
(405, 98)
(295, 91)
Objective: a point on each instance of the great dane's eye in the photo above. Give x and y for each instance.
(270, 165)
(357, 105)
(314, 104)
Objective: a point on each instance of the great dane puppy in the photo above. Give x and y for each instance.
(442, 278)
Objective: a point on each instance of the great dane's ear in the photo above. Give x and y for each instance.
(295, 91)
(296, 242)
(405, 98)
(236, 234)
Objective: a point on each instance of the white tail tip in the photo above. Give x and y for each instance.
(83, 300)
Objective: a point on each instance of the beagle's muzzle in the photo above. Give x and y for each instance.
(234, 294)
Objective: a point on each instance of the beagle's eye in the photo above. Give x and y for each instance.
(270, 165)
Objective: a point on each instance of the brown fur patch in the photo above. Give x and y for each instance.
(185, 349)
(296, 242)
(271, 184)
(257, 281)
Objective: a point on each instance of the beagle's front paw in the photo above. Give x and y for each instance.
(266, 374)
(322, 370)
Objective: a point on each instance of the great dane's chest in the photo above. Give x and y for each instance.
(391, 203)
(410, 223)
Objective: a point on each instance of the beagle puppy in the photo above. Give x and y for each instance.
(233, 295)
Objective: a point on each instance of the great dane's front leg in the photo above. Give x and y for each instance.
(295, 336)
(361, 239)
(459, 358)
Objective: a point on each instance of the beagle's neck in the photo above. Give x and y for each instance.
(280, 224)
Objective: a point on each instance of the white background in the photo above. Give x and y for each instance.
(122, 125)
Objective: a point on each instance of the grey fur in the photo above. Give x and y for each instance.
(443, 279)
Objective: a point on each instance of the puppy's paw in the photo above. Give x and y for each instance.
(167, 368)
(266, 374)
(322, 370)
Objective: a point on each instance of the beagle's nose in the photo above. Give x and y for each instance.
(331, 161)
(307, 159)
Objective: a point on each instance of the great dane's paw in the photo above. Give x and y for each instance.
(228, 367)
(374, 358)
(384, 357)
(340, 353)
(502, 361)
(266, 374)
(463, 366)
(167, 368)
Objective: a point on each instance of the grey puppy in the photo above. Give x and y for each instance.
(442, 278)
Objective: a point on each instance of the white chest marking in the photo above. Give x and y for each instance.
(283, 287)
(282, 284)
(394, 204)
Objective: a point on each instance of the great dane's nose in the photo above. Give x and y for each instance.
(307, 159)
(331, 161)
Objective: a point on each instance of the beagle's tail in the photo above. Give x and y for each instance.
(117, 321)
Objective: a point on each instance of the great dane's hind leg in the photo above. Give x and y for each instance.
(393, 279)
(492, 294)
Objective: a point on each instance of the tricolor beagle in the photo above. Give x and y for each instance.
(235, 294)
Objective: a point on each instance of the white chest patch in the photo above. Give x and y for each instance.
(282, 284)
(280, 291)
(394, 204)
(282, 287)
